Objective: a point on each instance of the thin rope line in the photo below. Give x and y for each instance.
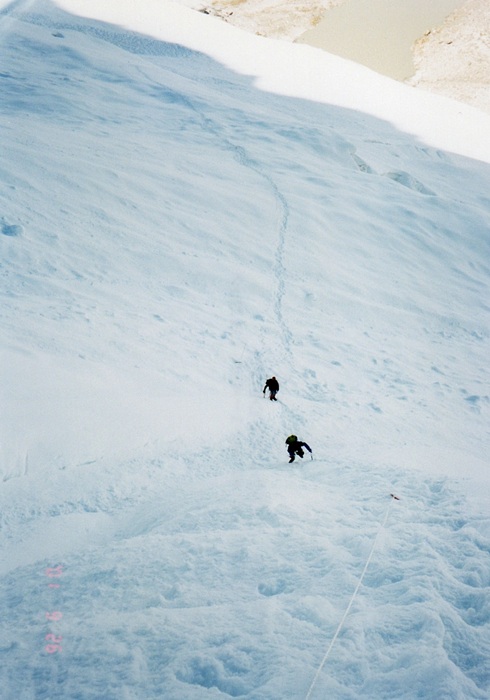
(341, 623)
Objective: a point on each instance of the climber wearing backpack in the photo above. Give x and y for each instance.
(295, 447)
(273, 385)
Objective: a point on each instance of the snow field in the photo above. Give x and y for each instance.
(172, 236)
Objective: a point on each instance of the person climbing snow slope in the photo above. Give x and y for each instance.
(295, 447)
(273, 385)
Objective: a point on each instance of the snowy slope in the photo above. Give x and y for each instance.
(187, 209)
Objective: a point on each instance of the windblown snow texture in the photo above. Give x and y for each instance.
(172, 235)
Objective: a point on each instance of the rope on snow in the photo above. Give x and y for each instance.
(341, 623)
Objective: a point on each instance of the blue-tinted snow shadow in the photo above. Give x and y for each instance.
(199, 68)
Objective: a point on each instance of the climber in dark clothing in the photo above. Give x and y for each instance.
(295, 447)
(273, 385)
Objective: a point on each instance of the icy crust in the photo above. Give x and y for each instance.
(454, 59)
(190, 595)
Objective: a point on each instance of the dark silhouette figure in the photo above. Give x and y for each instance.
(295, 447)
(273, 385)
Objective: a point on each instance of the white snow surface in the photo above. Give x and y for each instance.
(187, 209)
(451, 59)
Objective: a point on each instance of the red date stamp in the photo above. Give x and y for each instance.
(53, 641)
